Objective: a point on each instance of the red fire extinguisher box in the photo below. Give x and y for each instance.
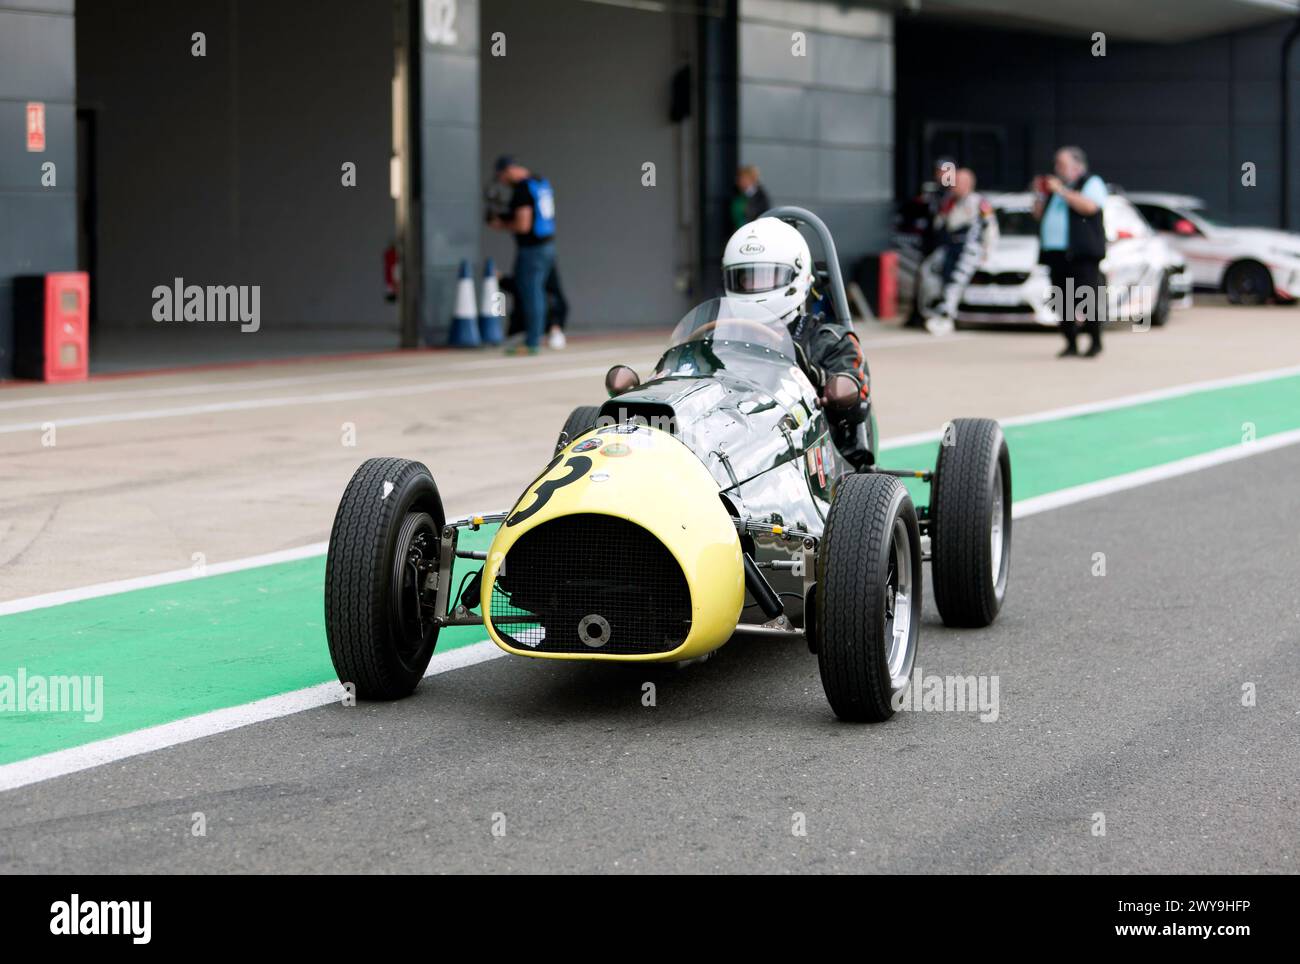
(51, 326)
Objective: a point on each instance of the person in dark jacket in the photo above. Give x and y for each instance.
(750, 199)
(1072, 244)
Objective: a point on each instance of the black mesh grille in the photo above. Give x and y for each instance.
(591, 584)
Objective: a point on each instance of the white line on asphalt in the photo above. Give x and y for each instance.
(114, 748)
(253, 404)
(430, 369)
(1157, 473)
(1109, 404)
(378, 372)
(62, 762)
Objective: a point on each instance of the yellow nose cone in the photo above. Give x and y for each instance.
(610, 579)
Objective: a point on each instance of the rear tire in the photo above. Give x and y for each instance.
(1248, 283)
(580, 421)
(387, 532)
(970, 522)
(868, 586)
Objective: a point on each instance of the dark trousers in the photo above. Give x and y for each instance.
(533, 263)
(557, 306)
(1071, 279)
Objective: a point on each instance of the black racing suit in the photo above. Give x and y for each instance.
(827, 348)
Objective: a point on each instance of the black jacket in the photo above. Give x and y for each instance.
(1087, 239)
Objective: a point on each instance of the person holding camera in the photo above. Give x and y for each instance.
(1072, 244)
(530, 216)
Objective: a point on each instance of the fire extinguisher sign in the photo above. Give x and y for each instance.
(35, 126)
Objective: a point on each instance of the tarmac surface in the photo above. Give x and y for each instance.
(1121, 698)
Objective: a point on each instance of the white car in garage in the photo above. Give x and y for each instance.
(1252, 265)
(1145, 276)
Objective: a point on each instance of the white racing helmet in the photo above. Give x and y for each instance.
(768, 262)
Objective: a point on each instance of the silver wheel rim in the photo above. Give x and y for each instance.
(995, 525)
(899, 589)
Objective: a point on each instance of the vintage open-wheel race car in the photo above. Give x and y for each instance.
(700, 505)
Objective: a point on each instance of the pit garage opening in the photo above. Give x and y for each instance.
(234, 143)
(582, 92)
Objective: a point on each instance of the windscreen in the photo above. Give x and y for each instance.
(728, 324)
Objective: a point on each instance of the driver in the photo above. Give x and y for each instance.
(768, 262)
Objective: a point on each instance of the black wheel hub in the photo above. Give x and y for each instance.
(415, 559)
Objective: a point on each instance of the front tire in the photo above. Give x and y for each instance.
(868, 597)
(378, 604)
(580, 421)
(1248, 283)
(970, 522)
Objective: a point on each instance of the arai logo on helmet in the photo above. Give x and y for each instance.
(752, 247)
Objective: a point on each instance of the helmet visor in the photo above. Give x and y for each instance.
(752, 279)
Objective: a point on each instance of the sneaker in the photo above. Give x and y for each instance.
(940, 325)
(1069, 351)
(1093, 350)
(556, 339)
(522, 351)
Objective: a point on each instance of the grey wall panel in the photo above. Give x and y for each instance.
(450, 168)
(854, 120)
(853, 174)
(21, 169)
(850, 63)
(836, 158)
(38, 224)
(37, 54)
(451, 232)
(447, 174)
(779, 112)
(450, 91)
(788, 169)
(766, 54)
(38, 234)
(833, 18)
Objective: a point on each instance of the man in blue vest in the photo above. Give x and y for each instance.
(1072, 243)
(530, 217)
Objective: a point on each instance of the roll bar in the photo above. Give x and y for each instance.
(797, 215)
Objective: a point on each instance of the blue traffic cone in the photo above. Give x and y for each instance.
(491, 307)
(464, 323)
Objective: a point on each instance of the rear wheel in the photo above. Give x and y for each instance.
(970, 522)
(867, 604)
(580, 421)
(1248, 283)
(379, 598)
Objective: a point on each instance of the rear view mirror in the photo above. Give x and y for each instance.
(620, 379)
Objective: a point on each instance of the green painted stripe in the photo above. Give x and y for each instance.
(1050, 456)
(174, 651)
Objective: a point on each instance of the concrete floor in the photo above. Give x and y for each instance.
(144, 472)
